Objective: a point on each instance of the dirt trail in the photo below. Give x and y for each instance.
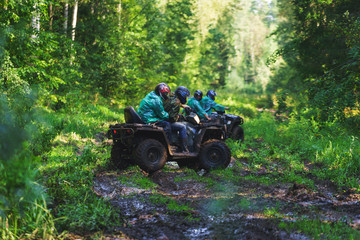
(226, 210)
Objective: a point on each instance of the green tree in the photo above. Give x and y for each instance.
(322, 55)
(217, 50)
(177, 34)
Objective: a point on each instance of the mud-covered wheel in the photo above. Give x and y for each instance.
(189, 163)
(150, 155)
(237, 133)
(214, 154)
(118, 157)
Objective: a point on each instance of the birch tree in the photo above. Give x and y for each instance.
(119, 11)
(35, 21)
(74, 20)
(66, 17)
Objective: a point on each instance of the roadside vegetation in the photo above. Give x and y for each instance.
(284, 149)
(289, 68)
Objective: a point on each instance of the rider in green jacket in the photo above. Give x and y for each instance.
(194, 104)
(208, 103)
(151, 109)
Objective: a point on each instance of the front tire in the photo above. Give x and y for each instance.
(214, 154)
(151, 155)
(237, 133)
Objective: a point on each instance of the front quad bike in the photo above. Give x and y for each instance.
(231, 123)
(147, 145)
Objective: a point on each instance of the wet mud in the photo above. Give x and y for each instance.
(226, 210)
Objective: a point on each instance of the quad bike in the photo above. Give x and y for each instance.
(147, 145)
(231, 124)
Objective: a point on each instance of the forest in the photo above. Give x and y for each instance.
(289, 68)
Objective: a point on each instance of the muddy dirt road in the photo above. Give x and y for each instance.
(181, 206)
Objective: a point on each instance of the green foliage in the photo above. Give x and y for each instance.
(23, 209)
(321, 57)
(137, 179)
(273, 213)
(252, 24)
(216, 52)
(10, 81)
(85, 115)
(123, 53)
(243, 105)
(36, 223)
(30, 58)
(171, 204)
(284, 151)
(318, 229)
(89, 213)
(178, 15)
(71, 162)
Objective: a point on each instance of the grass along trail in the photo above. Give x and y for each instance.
(290, 179)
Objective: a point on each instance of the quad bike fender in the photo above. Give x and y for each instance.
(208, 133)
(235, 123)
(156, 133)
(132, 134)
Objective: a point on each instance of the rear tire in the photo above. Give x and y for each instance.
(237, 133)
(214, 154)
(151, 155)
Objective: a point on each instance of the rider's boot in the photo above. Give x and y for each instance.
(184, 146)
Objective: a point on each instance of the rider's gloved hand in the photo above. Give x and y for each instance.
(188, 110)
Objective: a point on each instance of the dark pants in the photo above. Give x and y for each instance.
(176, 127)
(180, 128)
(166, 126)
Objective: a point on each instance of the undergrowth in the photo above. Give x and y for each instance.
(59, 160)
(77, 154)
(290, 150)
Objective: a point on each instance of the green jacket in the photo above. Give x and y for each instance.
(195, 105)
(172, 106)
(151, 109)
(208, 104)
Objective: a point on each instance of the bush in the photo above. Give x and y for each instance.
(23, 212)
(89, 213)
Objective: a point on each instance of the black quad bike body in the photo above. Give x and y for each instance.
(232, 125)
(147, 145)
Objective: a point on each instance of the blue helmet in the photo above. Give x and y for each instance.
(211, 94)
(182, 93)
(198, 95)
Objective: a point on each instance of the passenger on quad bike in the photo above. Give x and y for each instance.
(208, 103)
(151, 109)
(172, 105)
(145, 138)
(194, 104)
(231, 122)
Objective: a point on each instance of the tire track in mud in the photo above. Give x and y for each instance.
(228, 210)
(224, 211)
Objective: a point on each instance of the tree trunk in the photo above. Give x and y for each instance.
(66, 17)
(73, 31)
(119, 11)
(74, 20)
(35, 22)
(51, 16)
